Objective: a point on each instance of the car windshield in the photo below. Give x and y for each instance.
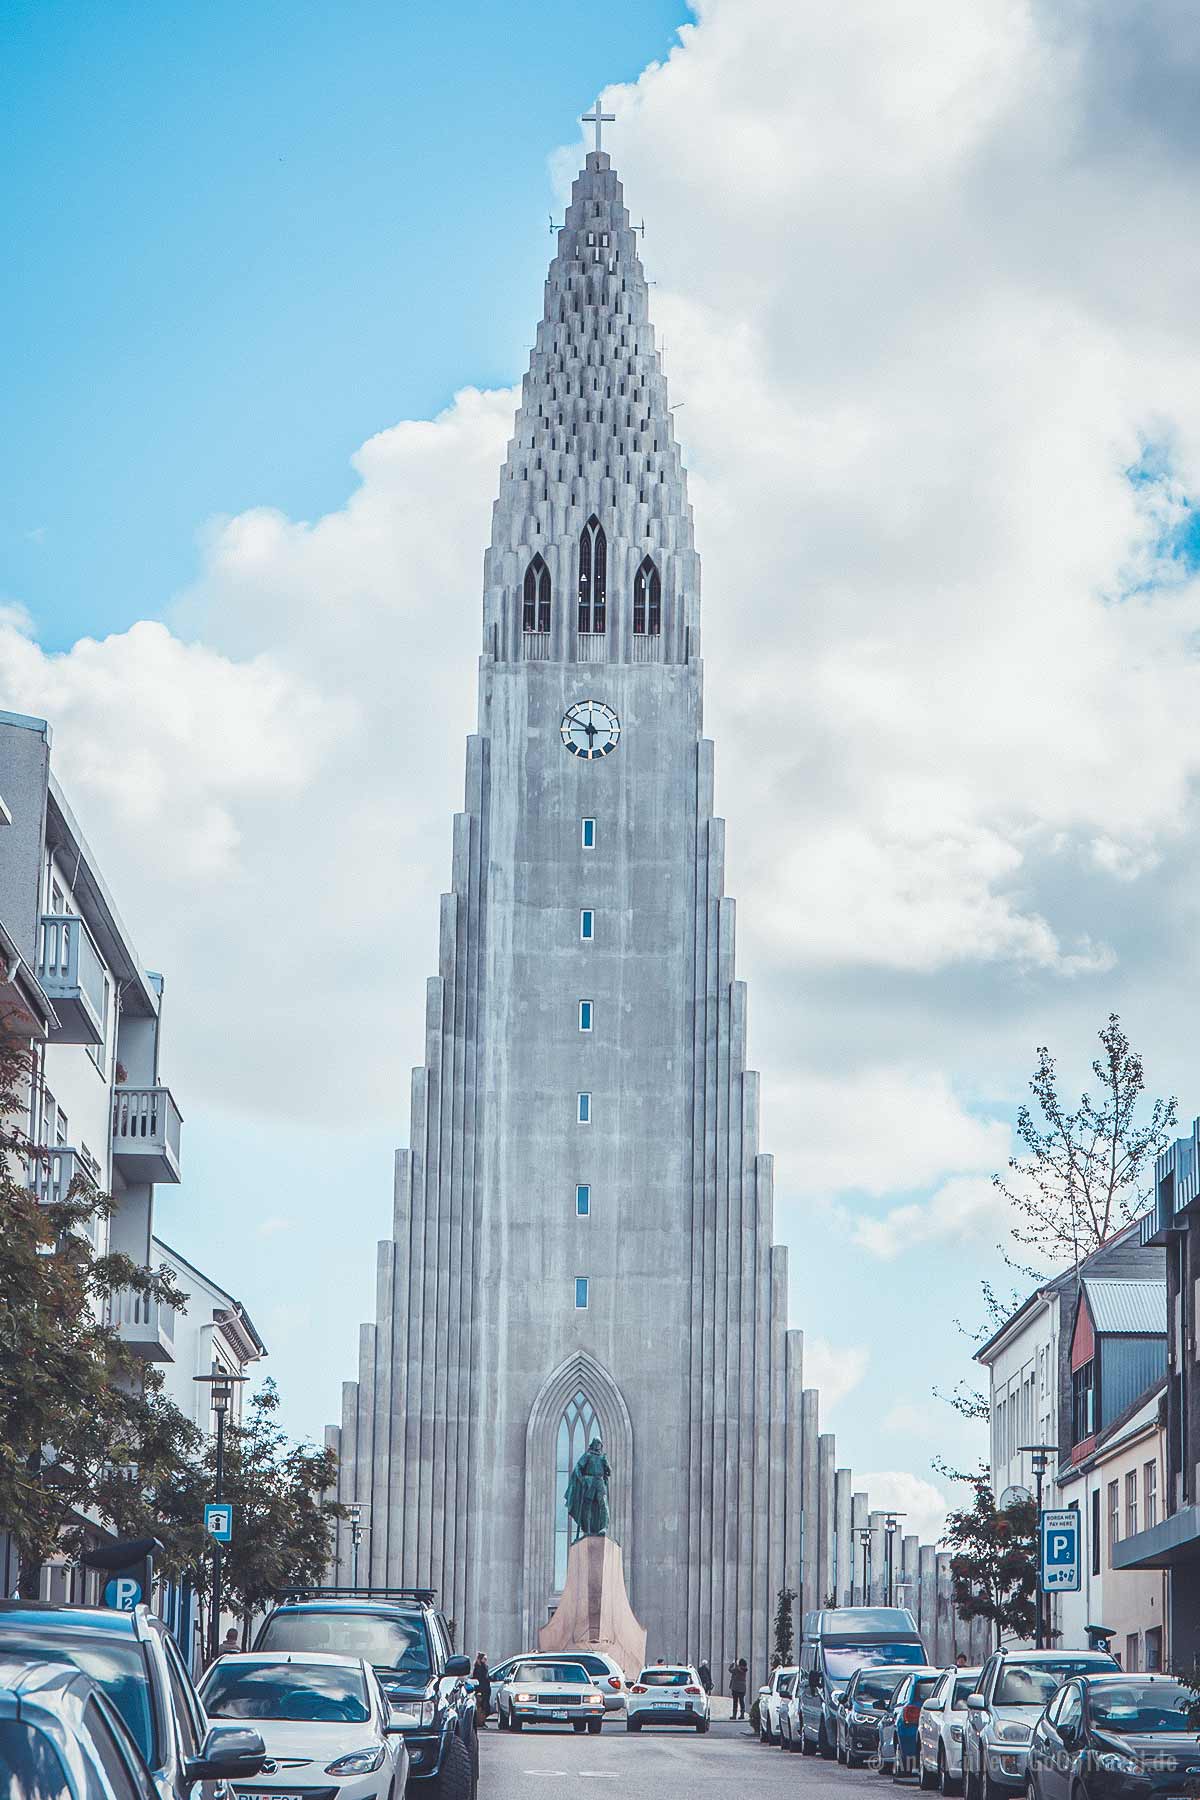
(116, 1664)
(1142, 1706)
(565, 1671)
(964, 1685)
(1033, 1684)
(386, 1640)
(876, 1684)
(595, 1665)
(921, 1689)
(31, 1763)
(303, 1691)
(665, 1677)
(841, 1662)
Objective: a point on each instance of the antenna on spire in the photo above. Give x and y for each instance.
(598, 118)
(641, 228)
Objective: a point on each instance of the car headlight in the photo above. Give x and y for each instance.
(956, 1733)
(1116, 1764)
(863, 1718)
(1012, 1732)
(593, 1699)
(416, 1716)
(359, 1762)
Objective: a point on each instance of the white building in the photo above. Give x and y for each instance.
(214, 1334)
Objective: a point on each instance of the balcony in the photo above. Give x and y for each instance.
(50, 1176)
(72, 976)
(145, 1325)
(145, 1134)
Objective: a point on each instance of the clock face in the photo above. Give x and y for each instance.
(590, 729)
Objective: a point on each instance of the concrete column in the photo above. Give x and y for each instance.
(859, 1512)
(927, 1589)
(878, 1590)
(810, 1461)
(945, 1610)
(907, 1574)
(843, 1537)
(826, 1448)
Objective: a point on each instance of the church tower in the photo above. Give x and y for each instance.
(582, 1235)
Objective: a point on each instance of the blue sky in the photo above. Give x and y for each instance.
(248, 236)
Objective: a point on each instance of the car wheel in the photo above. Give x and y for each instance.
(455, 1780)
(808, 1745)
(515, 1724)
(823, 1743)
(949, 1784)
(594, 1725)
(796, 1744)
(926, 1778)
(701, 1724)
(991, 1790)
(633, 1724)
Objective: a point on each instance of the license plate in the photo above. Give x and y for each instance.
(277, 1796)
(560, 1714)
(664, 1703)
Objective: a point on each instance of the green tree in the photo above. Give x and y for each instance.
(84, 1426)
(784, 1651)
(993, 1563)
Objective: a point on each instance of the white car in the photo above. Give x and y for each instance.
(772, 1703)
(940, 1731)
(549, 1690)
(667, 1694)
(324, 1719)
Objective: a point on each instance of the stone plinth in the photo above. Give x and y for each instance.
(594, 1612)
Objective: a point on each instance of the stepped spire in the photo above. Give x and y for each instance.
(593, 442)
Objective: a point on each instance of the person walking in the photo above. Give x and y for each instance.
(705, 1674)
(481, 1675)
(737, 1686)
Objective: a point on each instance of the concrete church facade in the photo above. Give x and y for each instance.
(582, 1231)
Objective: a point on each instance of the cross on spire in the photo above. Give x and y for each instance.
(598, 118)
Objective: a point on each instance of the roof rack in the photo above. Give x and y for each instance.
(426, 1594)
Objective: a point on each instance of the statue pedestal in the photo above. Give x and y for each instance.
(594, 1612)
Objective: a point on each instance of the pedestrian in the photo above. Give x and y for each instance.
(229, 1642)
(737, 1686)
(705, 1674)
(960, 1661)
(481, 1675)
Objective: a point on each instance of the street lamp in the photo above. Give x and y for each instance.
(890, 1525)
(1040, 1455)
(221, 1386)
(354, 1514)
(864, 1538)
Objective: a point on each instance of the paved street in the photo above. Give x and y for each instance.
(728, 1764)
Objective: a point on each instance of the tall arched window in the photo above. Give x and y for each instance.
(537, 596)
(593, 572)
(647, 600)
(577, 1427)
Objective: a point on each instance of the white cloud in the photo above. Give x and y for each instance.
(837, 1369)
(966, 1209)
(924, 1505)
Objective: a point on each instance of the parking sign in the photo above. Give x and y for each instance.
(218, 1522)
(1060, 1551)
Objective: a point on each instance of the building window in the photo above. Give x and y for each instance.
(583, 1201)
(1114, 1518)
(587, 925)
(593, 577)
(647, 600)
(1083, 1402)
(536, 616)
(585, 1015)
(1154, 1647)
(1131, 1503)
(585, 1109)
(1150, 1497)
(581, 1292)
(1095, 1531)
(1132, 1660)
(587, 834)
(578, 1426)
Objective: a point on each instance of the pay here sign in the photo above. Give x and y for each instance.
(1060, 1541)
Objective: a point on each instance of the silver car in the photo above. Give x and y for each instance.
(1013, 1687)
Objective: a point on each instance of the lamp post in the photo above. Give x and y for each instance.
(890, 1525)
(1039, 1455)
(221, 1386)
(864, 1538)
(354, 1514)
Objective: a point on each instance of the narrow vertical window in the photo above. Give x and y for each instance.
(585, 1015)
(587, 834)
(536, 608)
(583, 1201)
(593, 576)
(581, 1292)
(585, 1109)
(587, 925)
(647, 600)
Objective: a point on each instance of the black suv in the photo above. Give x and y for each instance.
(401, 1633)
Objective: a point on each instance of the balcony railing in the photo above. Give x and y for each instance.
(535, 645)
(647, 648)
(72, 975)
(50, 1176)
(146, 1132)
(146, 1325)
(591, 647)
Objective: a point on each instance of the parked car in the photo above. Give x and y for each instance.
(667, 1694)
(1013, 1688)
(899, 1721)
(1133, 1735)
(772, 1701)
(324, 1719)
(549, 1690)
(400, 1632)
(941, 1731)
(134, 1660)
(860, 1710)
(63, 1738)
(837, 1641)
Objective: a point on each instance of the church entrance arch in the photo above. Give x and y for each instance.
(577, 1401)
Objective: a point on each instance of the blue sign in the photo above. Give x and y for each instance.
(123, 1593)
(1060, 1552)
(218, 1522)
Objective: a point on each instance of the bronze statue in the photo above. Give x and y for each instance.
(587, 1492)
